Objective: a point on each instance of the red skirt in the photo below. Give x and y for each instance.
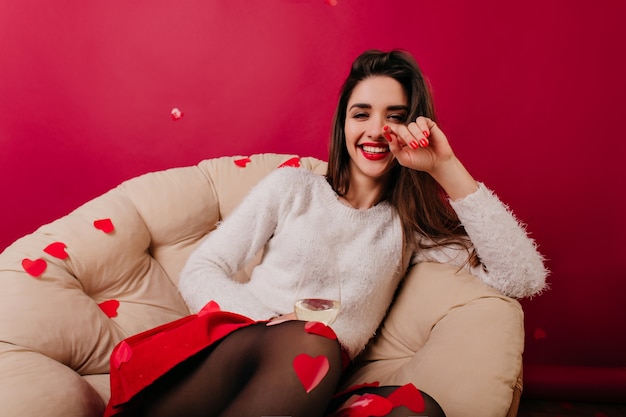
(140, 360)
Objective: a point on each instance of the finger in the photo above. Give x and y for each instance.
(397, 147)
(407, 137)
(419, 130)
(391, 136)
(277, 321)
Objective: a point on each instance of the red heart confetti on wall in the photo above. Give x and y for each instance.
(34, 268)
(409, 396)
(106, 225)
(315, 327)
(176, 114)
(293, 162)
(310, 370)
(242, 162)
(122, 354)
(539, 333)
(57, 249)
(109, 307)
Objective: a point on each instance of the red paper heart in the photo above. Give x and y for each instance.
(57, 249)
(109, 307)
(242, 162)
(293, 162)
(310, 370)
(123, 353)
(408, 396)
(34, 268)
(539, 333)
(368, 405)
(106, 225)
(315, 327)
(331, 2)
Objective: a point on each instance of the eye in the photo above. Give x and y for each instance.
(360, 115)
(397, 118)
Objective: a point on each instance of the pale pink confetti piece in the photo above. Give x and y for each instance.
(177, 114)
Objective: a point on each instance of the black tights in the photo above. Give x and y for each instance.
(248, 374)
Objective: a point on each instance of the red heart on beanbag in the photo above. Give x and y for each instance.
(315, 327)
(34, 268)
(57, 249)
(109, 307)
(106, 225)
(242, 162)
(408, 396)
(122, 354)
(293, 162)
(310, 370)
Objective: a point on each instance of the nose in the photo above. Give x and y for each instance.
(374, 129)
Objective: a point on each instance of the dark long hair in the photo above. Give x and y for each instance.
(418, 198)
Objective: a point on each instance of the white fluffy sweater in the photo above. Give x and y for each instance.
(296, 216)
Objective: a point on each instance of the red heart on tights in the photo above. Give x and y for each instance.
(122, 354)
(57, 249)
(408, 396)
(106, 225)
(242, 162)
(109, 307)
(368, 405)
(315, 327)
(310, 370)
(34, 268)
(293, 162)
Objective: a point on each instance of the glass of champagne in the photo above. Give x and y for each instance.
(318, 297)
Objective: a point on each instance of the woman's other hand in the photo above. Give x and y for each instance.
(281, 319)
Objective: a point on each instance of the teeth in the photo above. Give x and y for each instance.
(374, 149)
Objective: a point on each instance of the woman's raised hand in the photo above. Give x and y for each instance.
(422, 146)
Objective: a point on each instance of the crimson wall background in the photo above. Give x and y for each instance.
(530, 94)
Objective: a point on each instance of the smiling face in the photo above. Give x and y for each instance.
(375, 102)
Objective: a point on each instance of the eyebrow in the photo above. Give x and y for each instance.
(369, 106)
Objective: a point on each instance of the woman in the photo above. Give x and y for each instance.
(394, 192)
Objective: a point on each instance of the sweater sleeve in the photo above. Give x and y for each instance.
(510, 260)
(208, 272)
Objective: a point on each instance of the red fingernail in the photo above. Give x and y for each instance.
(426, 133)
(388, 137)
(385, 128)
(413, 144)
(424, 143)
